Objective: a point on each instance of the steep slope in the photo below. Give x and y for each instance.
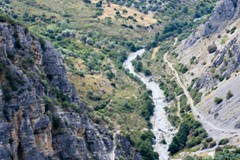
(211, 55)
(41, 115)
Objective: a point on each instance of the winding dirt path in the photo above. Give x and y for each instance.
(213, 131)
(154, 53)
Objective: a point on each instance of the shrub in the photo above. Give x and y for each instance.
(174, 120)
(223, 141)
(43, 44)
(138, 66)
(233, 29)
(147, 73)
(212, 144)
(209, 139)
(48, 103)
(163, 141)
(218, 100)
(212, 48)
(87, 1)
(182, 68)
(229, 95)
(56, 122)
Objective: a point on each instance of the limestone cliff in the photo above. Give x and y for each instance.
(41, 116)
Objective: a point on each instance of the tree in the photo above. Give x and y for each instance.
(229, 95)
(218, 100)
(87, 1)
(147, 72)
(212, 48)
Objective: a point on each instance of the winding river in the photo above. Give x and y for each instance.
(160, 124)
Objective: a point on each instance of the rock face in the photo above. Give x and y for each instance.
(124, 148)
(223, 66)
(226, 12)
(41, 116)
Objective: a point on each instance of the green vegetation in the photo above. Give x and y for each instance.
(222, 154)
(233, 29)
(223, 141)
(196, 95)
(181, 18)
(229, 95)
(138, 66)
(212, 48)
(189, 135)
(182, 68)
(147, 72)
(218, 100)
(174, 120)
(183, 105)
(143, 144)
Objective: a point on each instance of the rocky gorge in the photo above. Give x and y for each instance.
(41, 115)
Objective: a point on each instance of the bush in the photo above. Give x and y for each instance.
(218, 100)
(56, 122)
(180, 139)
(233, 29)
(212, 48)
(182, 68)
(209, 139)
(212, 144)
(223, 141)
(147, 73)
(48, 103)
(229, 95)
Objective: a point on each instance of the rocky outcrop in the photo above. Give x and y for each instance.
(124, 148)
(41, 116)
(223, 14)
(226, 62)
(226, 12)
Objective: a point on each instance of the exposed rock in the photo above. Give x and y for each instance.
(124, 148)
(224, 67)
(226, 12)
(34, 123)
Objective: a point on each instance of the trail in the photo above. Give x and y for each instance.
(213, 131)
(154, 53)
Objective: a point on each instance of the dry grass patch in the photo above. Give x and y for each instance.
(154, 53)
(142, 19)
(95, 83)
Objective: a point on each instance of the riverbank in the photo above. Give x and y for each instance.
(161, 127)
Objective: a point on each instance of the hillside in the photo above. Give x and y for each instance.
(215, 72)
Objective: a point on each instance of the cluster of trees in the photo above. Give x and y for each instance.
(148, 107)
(144, 145)
(190, 134)
(138, 66)
(180, 18)
(142, 6)
(221, 154)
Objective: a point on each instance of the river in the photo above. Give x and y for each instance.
(161, 127)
